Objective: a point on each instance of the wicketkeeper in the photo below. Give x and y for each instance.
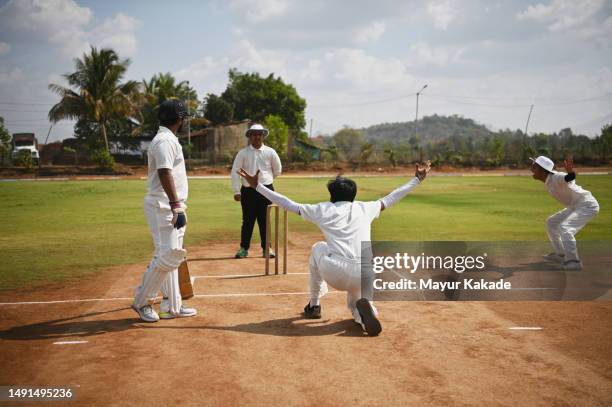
(581, 207)
(165, 210)
(338, 260)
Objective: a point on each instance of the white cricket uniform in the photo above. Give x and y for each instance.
(162, 273)
(251, 159)
(344, 260)
(338, 261)
(581, 207)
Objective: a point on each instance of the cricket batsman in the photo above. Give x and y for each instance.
(581, 207)
(165, 211)
(345, 223)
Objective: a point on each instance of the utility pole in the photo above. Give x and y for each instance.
(528, 117)
(416, 124)
(46, 140)
(525, 155)
(310, 132)
(188, 126)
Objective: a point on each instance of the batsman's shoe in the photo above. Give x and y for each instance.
(272, 254)
(554, 257)
(312, 312)
(572, 265)
(242, 253)
(164, 311)
(368, 317)
(184, 313)
(146, 313)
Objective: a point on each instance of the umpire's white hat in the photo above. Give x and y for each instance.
(257, 127)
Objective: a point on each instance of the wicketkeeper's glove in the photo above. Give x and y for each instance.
(179, 217)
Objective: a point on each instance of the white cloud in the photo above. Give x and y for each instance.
(442, 13)
(366, 72)
(581, 18)
(208, 75)
(4, 48)
(61, 22)
(10, 76)
(422, 53)
(65, 24)
(371, 32)
(117, 33)
(562, 14)
(257, 11)
(249, 57)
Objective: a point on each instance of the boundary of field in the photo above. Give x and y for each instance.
(322, 175)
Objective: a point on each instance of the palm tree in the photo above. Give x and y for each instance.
(165, 86)
(160, 87)
(96, 92)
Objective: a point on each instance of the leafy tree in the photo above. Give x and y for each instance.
(217, 109)
(603, 143)
(278, 134)
(365, 152)
(96, 91)
(5, 141)
(497, 151)
(119, 131)
(254, 97)
(390, 154)
(349, 142)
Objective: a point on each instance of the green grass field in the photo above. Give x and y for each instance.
(57, 230)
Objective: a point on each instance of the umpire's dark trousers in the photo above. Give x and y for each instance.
(254, 207)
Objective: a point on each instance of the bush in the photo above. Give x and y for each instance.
(24, 159)
(104, 159)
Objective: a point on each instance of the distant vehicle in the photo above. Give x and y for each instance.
(25, 142)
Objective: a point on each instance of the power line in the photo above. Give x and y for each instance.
(458, 100)
(13, 103)
(23, 111)
(527, 99)
(373, 102)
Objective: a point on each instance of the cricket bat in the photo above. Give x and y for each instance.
(185, 281)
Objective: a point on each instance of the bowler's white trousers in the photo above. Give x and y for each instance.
(341, 274)
(565, 224)
(166, 239)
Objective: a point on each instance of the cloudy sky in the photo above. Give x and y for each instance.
(355, 62)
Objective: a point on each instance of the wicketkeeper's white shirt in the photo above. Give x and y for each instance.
(345, 225)
(165, 151)
(251, 159)
(568, 193)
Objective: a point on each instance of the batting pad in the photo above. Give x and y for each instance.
(174, 293)
(170, 259)
(151, 283)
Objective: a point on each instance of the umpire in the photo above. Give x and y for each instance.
(253, 158)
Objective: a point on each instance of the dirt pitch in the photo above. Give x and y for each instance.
(255, 349)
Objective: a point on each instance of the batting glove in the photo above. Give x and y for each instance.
(179, 217)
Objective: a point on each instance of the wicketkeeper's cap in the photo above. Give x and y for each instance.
(171, 110)
(257, 127)
(545, 163)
